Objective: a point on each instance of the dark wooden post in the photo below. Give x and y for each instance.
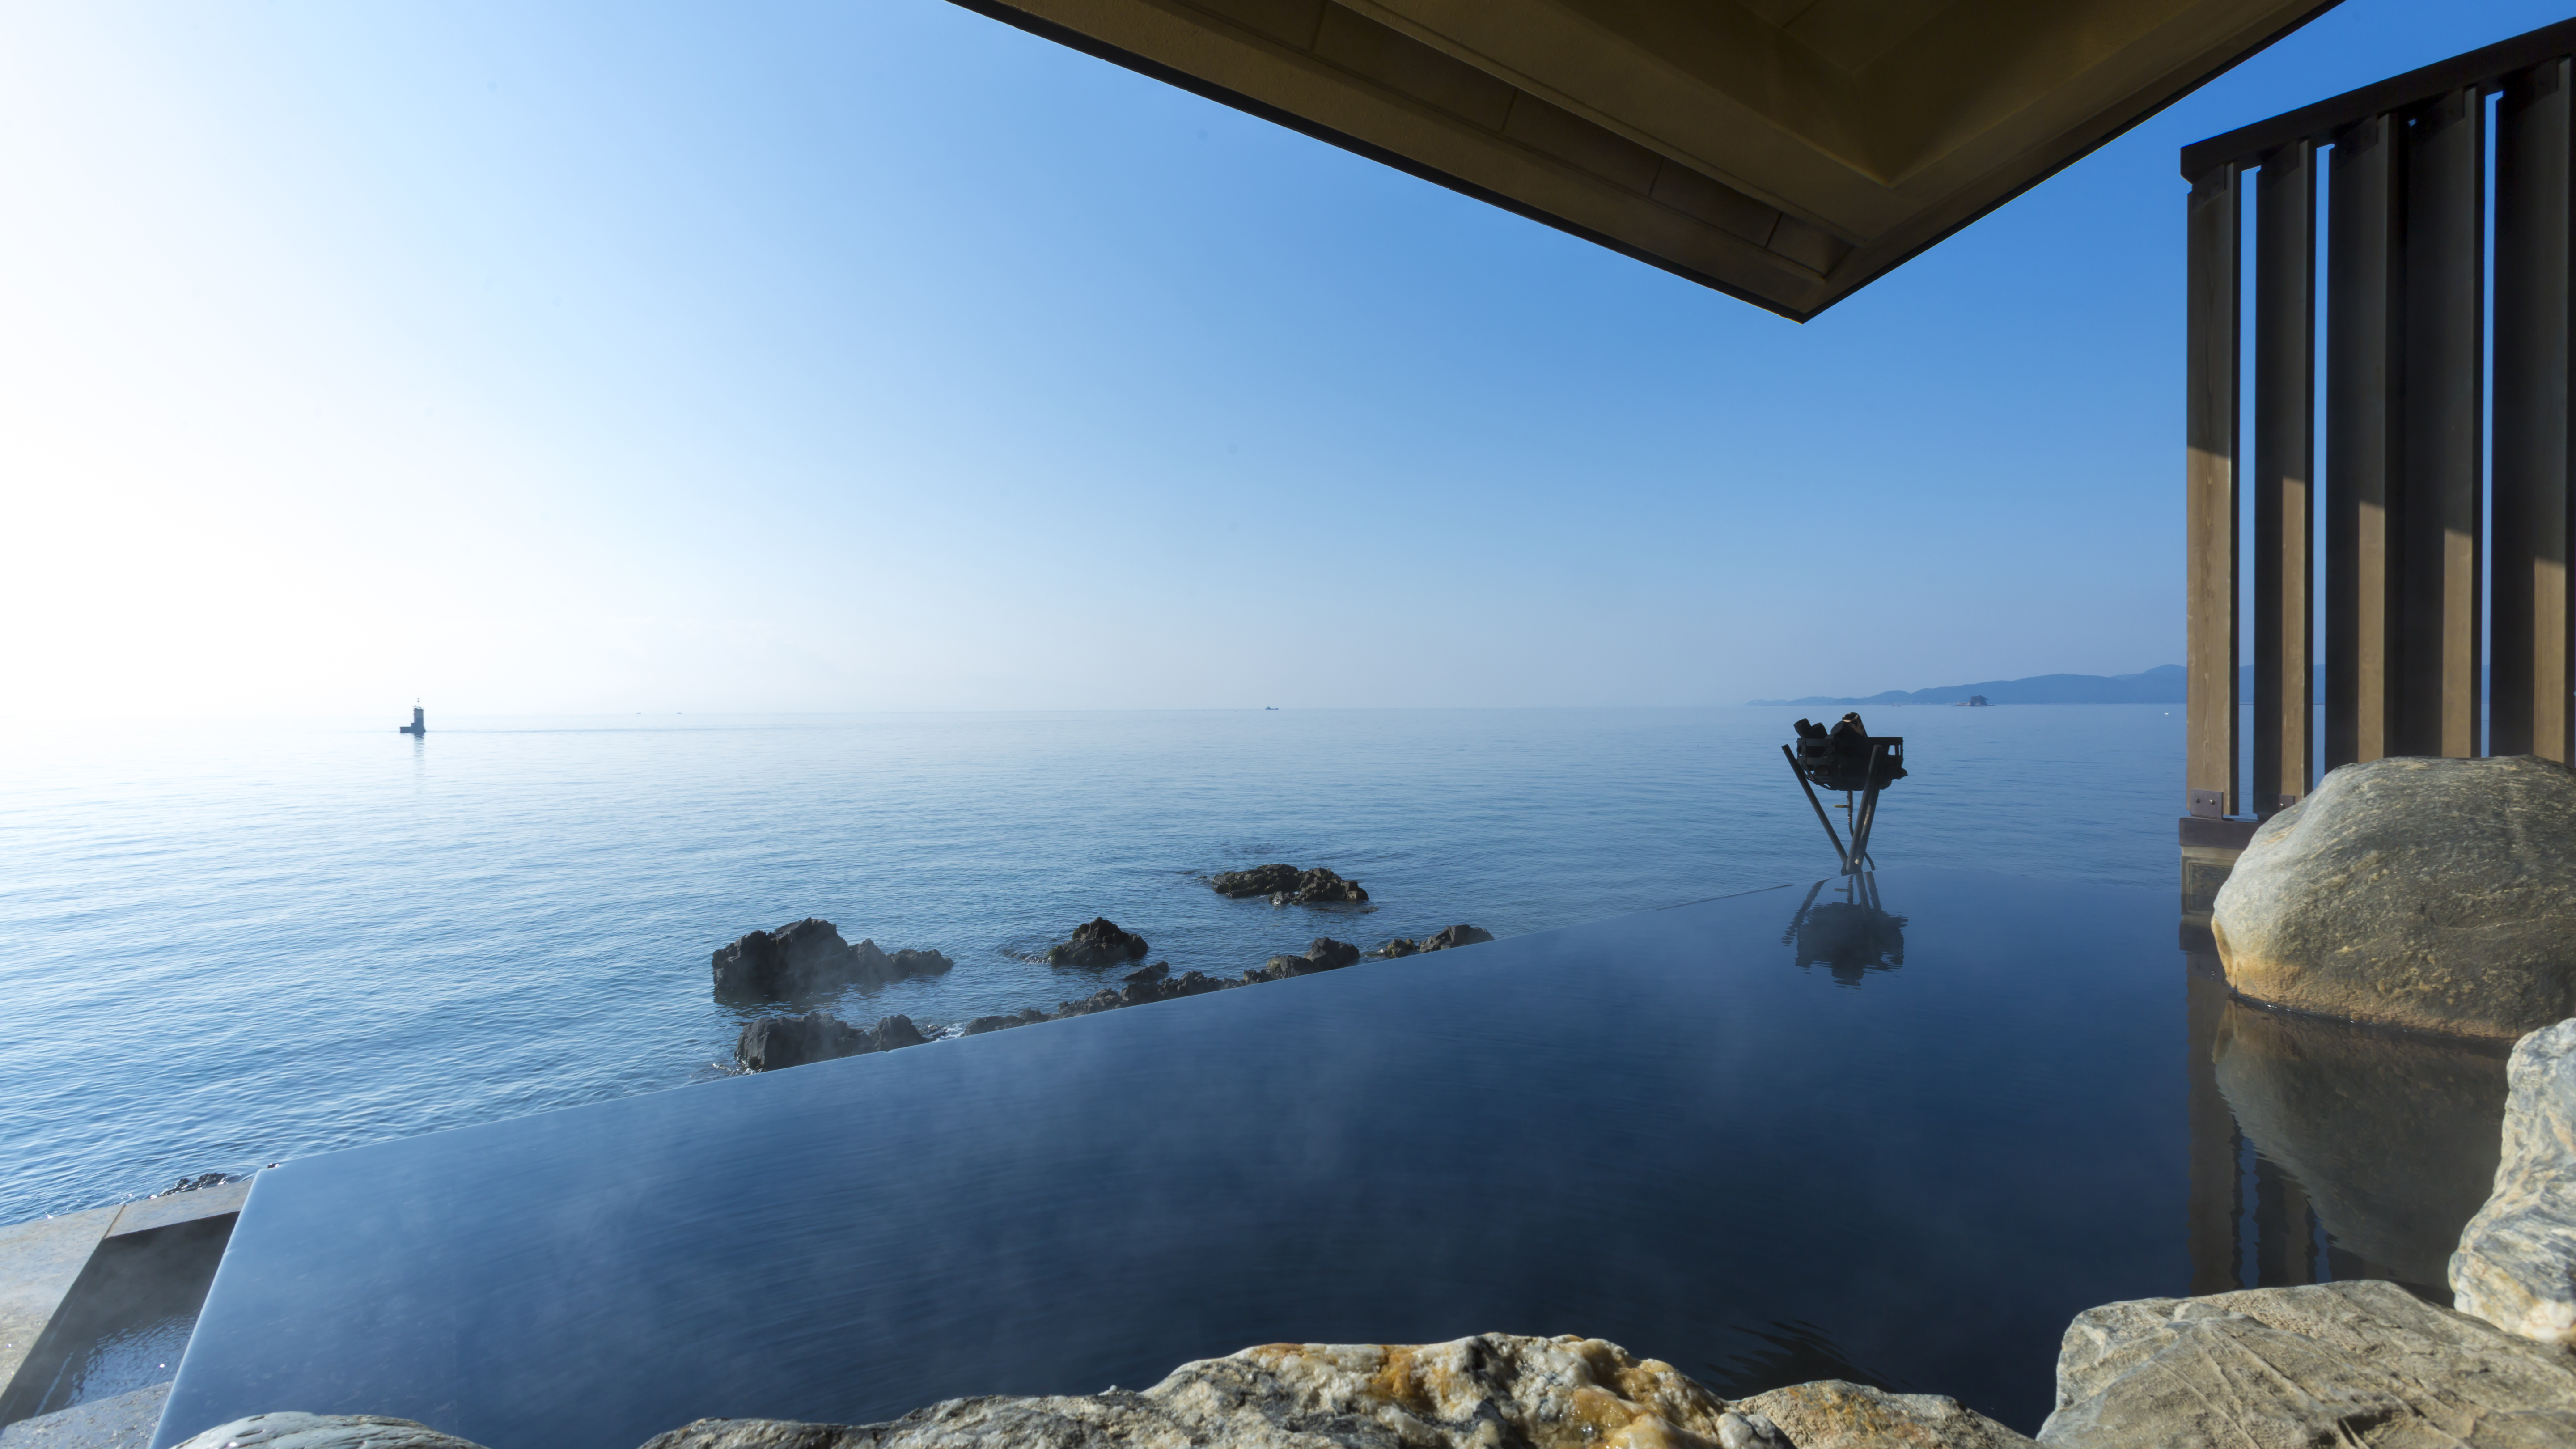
(2531, 672)
(2209, 508)
(2363, 309)
(2285, 420)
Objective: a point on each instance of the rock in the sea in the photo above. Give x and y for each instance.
(1286, 885)
(1097, 943)
(1446, 938)
(1143, 987)
(2357, 1365)
(773, 1042)
(809, 956)
(2516, 1265)
(1323, 954)
(324, 1431)
(1476, 1393)
(1331, 955)
(2434, 894)
(1832, 1414)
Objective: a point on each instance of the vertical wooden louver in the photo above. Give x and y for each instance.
(2445, 624)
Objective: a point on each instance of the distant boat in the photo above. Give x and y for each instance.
(419, 722)
(1271, 707)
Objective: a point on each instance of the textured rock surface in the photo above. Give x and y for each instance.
(2433, 894)
(125, 1421)
(2391, 1134)
(1832, 1414)
(818, 1036)
(1490, 1391)
(1446, 938)
(1286, 885)
(1098, 942)
(809, 956)
(324, 1431)
(2336, 1364)
(2516, 1264)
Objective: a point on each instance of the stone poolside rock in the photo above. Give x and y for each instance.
(1832, 1414)
(2392, 1135)
(804, 957)
(2516, 1264)
(2433, 894)
(1492, 1391)
(1286, 885)
(324, 1431)
(1446, 938)
(774, 1042)
(2357, 1365)
(1098, 942)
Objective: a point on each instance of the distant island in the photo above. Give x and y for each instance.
(2161, 685)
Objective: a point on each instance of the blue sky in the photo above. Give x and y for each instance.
(878, 356)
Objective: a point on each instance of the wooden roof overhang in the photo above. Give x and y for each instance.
(1787, 152)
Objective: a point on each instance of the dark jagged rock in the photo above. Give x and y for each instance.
(1280, 968)
(1155, 972)
(774, 1042)
(809, 956)
(1099, 943)
(1138, 992)
(983, 1024)
(1445, 939)
(1286, 885)
(1331, 955)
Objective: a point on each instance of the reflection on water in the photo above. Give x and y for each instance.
(1793, 1352)
(2326, 1150)
(1852, 935)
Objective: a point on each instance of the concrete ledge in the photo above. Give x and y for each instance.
(179, 1207)
(39, 1263)
(123, 1422)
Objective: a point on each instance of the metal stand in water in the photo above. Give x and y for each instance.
(1850, 759)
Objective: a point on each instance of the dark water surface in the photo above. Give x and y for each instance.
(1660, 1130)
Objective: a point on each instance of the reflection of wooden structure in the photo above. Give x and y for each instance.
(1784, 151)
(2438, 545)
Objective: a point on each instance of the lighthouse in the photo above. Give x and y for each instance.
(419, 722)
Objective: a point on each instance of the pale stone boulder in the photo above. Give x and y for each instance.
(288, 1430)
(2359, 1365)
(2516, 1266)
(1832, 1414)
(2433, 894)
(1490, 1390)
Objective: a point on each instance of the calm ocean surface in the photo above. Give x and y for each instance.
(234, 944)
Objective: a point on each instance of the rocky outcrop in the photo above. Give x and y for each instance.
(773, 1042)
(805, 957)
(1322, 954)
(2516, 1264)
(1286, 885)
(1098, 943)
(2433, 894)
(324, 1431)
(1832, 1414)
(1475, 1393)
(2344, 1364)
(1446, 938)
(983, 1024)
(2391, 1135)
(1154, 983)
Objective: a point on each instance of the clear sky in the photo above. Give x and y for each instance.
(873, 355)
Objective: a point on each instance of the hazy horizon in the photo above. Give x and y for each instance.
(887, 359)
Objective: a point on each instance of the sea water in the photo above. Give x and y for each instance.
(234, 944)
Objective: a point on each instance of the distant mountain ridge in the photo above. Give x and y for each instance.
(2160, 685)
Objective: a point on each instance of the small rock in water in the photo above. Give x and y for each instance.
(1445, 939)
(2516, 1264)
(2433, 894)
(803, 958)
(1098, 943)
(774, 1042)
(1331, 955)
(201, 1180)
(1286, 885)
(1155, 972)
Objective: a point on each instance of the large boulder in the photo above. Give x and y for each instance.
(2392, 1135)
(1286, 885)
(2516, 1265)
(1475, 1393)
(324, 1431)
(773, 1042)
(1098, 942)
(2358, 1365)
(2433, 894)
(805, 957)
